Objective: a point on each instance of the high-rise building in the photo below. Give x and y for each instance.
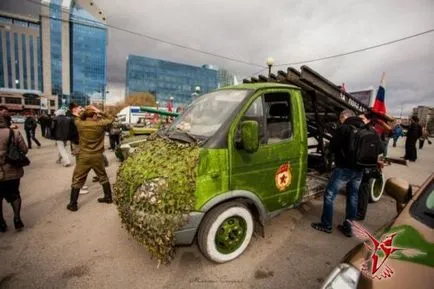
(20, 52)
(58, 57)
(224, 77)
(21, 65)
(426, 116)
(74, 41)
(167, 79)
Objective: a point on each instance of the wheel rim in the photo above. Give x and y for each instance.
(377, 188)
(231, 234)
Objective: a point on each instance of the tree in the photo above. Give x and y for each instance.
(140, 99)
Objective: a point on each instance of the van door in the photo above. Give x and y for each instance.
(276, 172)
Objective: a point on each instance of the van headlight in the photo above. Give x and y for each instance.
(343, 276)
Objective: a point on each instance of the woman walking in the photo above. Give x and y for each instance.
(10, 176)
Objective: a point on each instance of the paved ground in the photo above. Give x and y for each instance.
(90, 249)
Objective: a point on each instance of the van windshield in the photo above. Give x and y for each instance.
(207, 113)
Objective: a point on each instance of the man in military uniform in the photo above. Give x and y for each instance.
(91, 130)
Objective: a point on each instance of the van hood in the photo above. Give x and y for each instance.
(154, 190)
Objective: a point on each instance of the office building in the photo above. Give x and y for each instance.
(74, 41)
(21, 65)
(60, 56)
(426, 116)
(167, 79)
(224, 77)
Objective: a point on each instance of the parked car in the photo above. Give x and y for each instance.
(404, 249)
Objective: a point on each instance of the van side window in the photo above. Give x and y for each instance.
(279, 118)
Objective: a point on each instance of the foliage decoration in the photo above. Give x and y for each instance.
(154, 192)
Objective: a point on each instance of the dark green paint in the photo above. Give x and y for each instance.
(230, 235)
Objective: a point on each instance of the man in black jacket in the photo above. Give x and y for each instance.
(345, 174)
(413, 134)
(60, 128)
(30, 125)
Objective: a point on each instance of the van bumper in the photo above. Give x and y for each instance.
(185, 235)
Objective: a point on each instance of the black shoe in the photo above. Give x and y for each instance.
(107, 194)
(72, 206)
(345, 230)
(3, 226)
(18, 224)
(321, 227)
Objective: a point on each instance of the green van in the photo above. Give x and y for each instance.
(254, 162)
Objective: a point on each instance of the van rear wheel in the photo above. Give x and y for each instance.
(376, 188)
(225, 232)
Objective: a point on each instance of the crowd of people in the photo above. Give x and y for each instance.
(78, 130)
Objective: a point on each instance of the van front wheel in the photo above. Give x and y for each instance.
(225, 232)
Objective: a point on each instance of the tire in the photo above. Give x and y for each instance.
(376, 188)
(231, 219)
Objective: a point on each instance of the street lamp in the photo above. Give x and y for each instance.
(270, 62)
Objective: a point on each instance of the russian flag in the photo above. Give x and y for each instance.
(379, 104)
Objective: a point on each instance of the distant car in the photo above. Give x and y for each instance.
(401, 254)
(18, 119)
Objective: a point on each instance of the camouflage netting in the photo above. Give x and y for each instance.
(154, 190)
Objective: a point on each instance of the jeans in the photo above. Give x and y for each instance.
(339, 178)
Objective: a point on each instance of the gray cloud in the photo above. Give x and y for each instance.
(289, 31)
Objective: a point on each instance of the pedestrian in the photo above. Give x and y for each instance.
(61, 127)
(30, 125)
(43, 122)
(368, 174)
(115, 134)
(91, 131)
(413, 134)
(396, 133)
(10, 176)
(424, 137)
(74, 113)
(347, 172)
(48, 132)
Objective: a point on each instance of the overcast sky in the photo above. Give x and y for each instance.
(288, 31)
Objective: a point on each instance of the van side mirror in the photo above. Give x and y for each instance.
(400, 190)
(250, 135)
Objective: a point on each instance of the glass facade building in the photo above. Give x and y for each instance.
(78, 45)
(88, 57)
(167, 79)
(56, 46)
(19, 56)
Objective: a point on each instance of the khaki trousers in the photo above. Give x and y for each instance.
(85, 163)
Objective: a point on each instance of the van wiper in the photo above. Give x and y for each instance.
(191, 138)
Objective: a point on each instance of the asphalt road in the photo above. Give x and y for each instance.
(90, 249)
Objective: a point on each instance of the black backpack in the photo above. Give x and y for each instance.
(365, 146)
(15, 157)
